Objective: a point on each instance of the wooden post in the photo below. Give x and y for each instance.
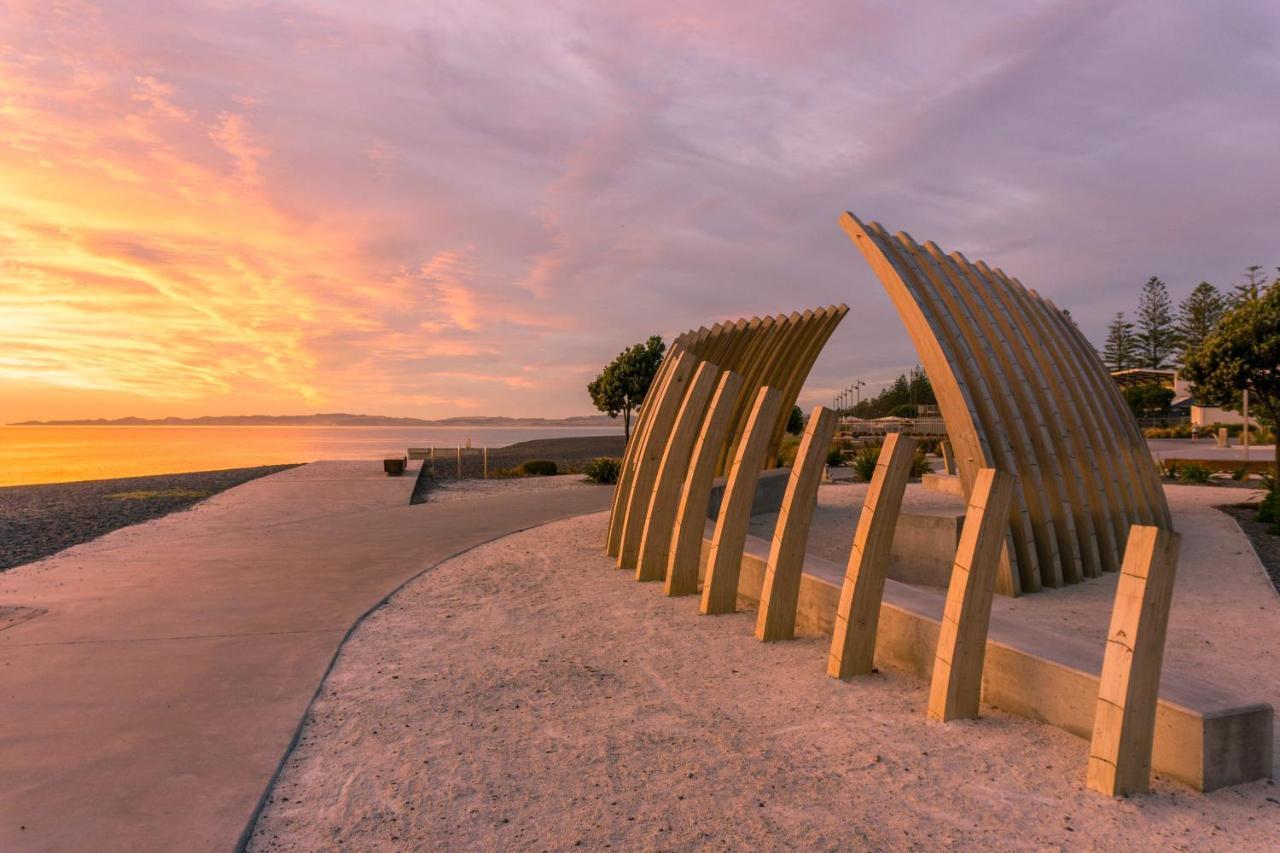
(486, 461)
(962, 638)
(1124, 722)
(655, 541)
(431, 454)
(781, 591)
(649, 458)
(948, 462)
(724, 563)
(459, 461)
(853, 640)
(691, 516)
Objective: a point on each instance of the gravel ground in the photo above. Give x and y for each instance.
(37, 521)
(1267, 544)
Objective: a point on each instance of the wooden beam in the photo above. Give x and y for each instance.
(649, 457)
(695, 496)
(720, 590)
(781, 590)
(956, 688)
(1124, 722)
(853, 640)
(655, 542)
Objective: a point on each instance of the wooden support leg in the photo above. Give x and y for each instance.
(948, 461)
(649, 457)
(781, 590)
(724, 564)
(691, 516)
(655, 541)
(1124, 722)
(962, 638)
(853, 640)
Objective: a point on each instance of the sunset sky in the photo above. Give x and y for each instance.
(441, 209)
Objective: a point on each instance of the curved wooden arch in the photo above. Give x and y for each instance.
(1021, 390)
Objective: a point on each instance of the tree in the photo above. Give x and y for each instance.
(1157, 336)
(1252, 286)
(1148, 401)
(1198, 314)
(795, 421)
(621, 386)
(1118, 354)
(1242, 354)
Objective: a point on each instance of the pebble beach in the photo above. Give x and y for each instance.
(37, 521)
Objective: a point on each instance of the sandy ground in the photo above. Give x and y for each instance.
(527, 695)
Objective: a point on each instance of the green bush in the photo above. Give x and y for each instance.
(835, 458)
(864, 463)
(539, 467)
(1194, 472)
(1170, 470)
(920, 466)
(603, 469)
(1240, 474)
(1269, 509)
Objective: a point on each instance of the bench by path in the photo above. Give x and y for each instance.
(149, 707)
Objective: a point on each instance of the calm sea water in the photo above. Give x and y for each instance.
(67, 454)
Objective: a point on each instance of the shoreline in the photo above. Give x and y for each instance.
(40, 520)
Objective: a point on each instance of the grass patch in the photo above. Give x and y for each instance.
(160, 494)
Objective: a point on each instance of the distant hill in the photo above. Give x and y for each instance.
(335, 419)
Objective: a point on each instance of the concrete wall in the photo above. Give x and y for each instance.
(1205, 736)
(770, 489)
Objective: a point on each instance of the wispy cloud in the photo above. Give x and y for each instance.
(433, 208)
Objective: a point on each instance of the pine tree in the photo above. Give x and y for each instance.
(1157, 336)
(1198, 314)
(1118, 354)
(1254, 284)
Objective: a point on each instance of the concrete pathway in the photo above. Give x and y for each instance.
(151, 704)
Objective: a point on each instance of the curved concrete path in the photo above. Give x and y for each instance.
(150, 706)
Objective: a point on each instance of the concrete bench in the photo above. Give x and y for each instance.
(1206, 737)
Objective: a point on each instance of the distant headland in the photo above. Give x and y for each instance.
(335, 419)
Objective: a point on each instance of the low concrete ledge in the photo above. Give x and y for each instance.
(771, 488)
(947, 484)
(1205, 736)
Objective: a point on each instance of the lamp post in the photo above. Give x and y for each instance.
(856, 390)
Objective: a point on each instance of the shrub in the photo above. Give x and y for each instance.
(1170, 470)
(1193, 472)
(788, 450)
(539, 467)
(1269, 509)
(864, 463)
(920, 466)
(603, 469)
(1240, 474)
(930, 445)
(834, 458)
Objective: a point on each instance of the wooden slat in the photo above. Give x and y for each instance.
(1022, 410)
(1128, 689)
(695, 496)
(961, 363)
(1097, 479)
(956, 688)
(655, 541)
(649, 457)
(626, 471)
(781, 591)
(827, 321)
(853, 641)
(724, 563)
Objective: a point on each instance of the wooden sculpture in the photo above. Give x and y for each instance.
(956, 689)
(1125, 719)
(781, 591)
(1021, 390)
(853, 640)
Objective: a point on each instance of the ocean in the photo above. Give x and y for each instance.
(63, 454)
